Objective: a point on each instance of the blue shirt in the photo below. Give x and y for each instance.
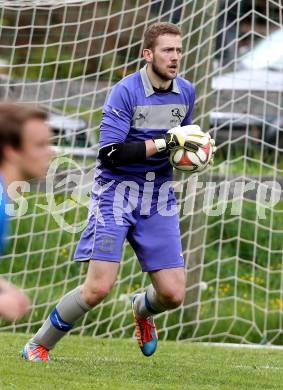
(134, 112)
(3, 216)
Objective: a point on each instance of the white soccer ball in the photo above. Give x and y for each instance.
(191, 161)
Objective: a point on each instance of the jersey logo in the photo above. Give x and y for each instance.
(177, 116)
(140, 116)
(115, 111)
(111, 151)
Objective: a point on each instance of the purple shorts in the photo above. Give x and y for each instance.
(149, 222)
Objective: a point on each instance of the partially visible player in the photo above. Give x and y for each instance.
(24, 154)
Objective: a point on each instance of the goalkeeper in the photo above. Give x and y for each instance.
(24, 154)
(134, 142)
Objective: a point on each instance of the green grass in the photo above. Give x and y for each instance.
(90, 363)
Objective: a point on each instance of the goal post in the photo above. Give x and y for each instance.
(65, 56)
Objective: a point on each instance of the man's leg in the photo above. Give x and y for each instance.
(166, 292)
(100, 278)
(157, 243)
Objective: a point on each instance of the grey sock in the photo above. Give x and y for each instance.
(147, 304)
(70, 308)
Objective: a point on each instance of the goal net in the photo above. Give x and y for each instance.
(65, 56)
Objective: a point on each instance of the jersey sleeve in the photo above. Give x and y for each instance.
(189, 116)
(117, 116)
(3, 218)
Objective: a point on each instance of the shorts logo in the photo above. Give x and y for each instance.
(107, 243)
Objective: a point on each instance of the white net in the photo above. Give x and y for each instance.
(65, 56)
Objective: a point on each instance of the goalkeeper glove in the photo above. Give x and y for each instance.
(174, 138)
(190, 137)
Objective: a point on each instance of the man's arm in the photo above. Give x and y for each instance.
(188, 118)
(126, 153)
(13, 302)
(117, 154)
(115, 125)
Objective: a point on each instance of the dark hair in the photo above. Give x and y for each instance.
(13, 116)
(157, 29)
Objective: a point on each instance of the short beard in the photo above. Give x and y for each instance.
(161, 75)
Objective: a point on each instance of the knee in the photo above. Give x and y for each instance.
(95, 294)
(172, 299)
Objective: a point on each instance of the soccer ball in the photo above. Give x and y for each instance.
(192, 161)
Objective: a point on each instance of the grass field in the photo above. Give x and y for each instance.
(89, 363)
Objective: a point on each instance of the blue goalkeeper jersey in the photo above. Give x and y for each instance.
(3, 216)
(135, 112)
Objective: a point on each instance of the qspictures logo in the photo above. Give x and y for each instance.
(74, 189)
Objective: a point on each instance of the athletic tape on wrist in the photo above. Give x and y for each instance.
(160, 144)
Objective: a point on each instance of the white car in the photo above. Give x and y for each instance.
(260, 69)
(267, 54)
(258, 72)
